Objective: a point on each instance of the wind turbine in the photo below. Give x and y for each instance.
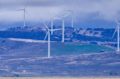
(24, 10)
(48, 34)
(63, 27)
(70, 13)
(24, 16)
(118, 35)
(63, 23)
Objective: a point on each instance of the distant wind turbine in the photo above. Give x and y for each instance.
(62, 18)
(63, 23)
(24, 10)
(24, 16)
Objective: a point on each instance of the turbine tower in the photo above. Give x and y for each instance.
(72, 22)
(63, 31)
(24, 10)
(118, 35)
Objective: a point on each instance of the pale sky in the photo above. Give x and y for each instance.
(37, 10)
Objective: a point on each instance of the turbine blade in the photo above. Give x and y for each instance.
(19, 9)
(46, 26)
(114, 33)
(46, 36)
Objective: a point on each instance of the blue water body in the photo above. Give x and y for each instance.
(77, 48)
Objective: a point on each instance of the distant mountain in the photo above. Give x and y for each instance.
(71, 34)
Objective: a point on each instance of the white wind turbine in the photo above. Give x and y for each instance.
(24, 10)
(24, 16)
(48, 34)
(118, 35)
(63, 27)
(63, 23)
(67, 14)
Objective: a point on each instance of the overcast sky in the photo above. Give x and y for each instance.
(37, 10)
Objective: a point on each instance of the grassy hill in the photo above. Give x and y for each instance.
(18, 48)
